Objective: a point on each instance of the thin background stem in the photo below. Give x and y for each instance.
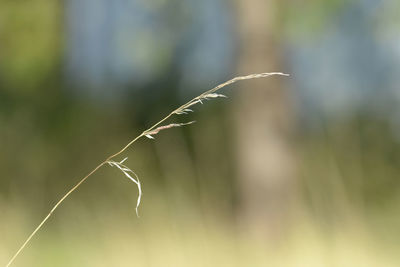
(197, 99)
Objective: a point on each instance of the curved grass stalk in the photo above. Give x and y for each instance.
(153, 130)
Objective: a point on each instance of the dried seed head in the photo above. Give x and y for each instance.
(214, 95)
(149, 134)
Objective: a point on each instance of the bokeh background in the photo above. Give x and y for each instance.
(298, 171)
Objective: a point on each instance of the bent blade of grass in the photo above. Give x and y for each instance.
(146, 133)
(125, 170)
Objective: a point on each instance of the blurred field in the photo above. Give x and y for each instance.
(166, 241)
(80, 79)
(187, 214)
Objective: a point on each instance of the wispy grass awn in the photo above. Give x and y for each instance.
(149, 133)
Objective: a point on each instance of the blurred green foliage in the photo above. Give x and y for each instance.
(305, 19)
(348, 170)
(30, 37)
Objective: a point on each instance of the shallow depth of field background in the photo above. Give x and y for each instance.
(298, 171)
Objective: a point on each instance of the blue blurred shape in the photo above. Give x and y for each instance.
(112, 45)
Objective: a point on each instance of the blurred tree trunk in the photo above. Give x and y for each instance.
(263, 121)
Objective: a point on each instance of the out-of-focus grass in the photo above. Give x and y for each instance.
(346, 214)
(103, 237)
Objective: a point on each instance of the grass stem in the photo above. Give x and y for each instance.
(180, 110)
